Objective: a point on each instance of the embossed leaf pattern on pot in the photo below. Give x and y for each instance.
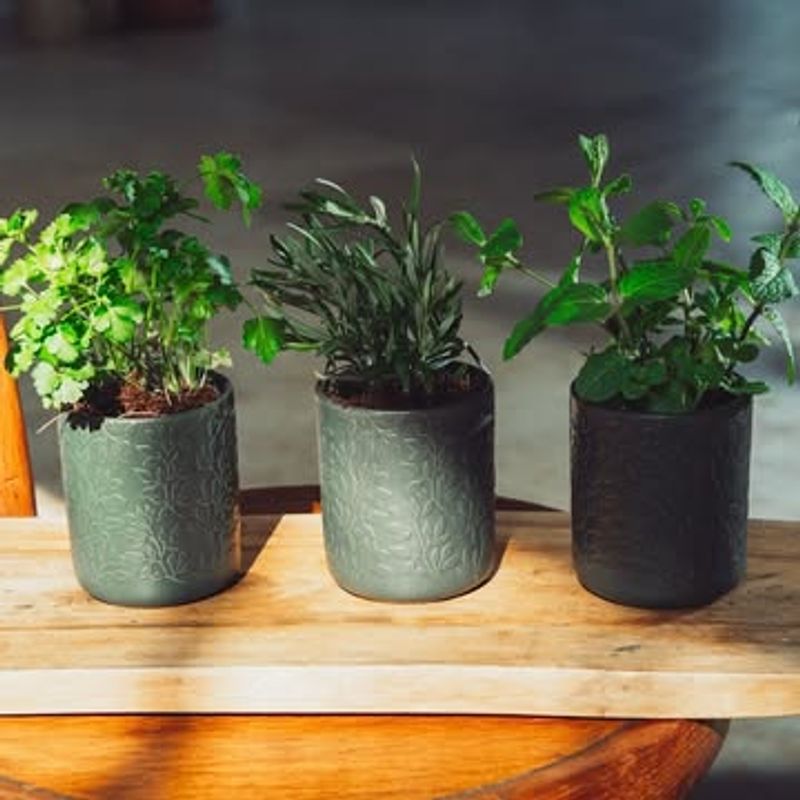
(152, 505)
(408, 497)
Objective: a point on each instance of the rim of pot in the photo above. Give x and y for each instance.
(226, 389)
(446, 407)
(732, 404)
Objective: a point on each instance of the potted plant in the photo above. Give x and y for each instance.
(661, 413)
(406, 424)
(114, 306)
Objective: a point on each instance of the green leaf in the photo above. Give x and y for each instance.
(749, 387)
(119, 320)
(618, 186)
(468, 228)
(68, 392)
(727, 272)
(572, 272)
(224, 181)
(602, 376)
(563, 305)
(697, 208)
(770, 281)
(505, 240)
(264, 337)
(651, 225)
(16, 227)
(652, 373)
(61, 344)
(559, 196)
(773, 187)
(721, 226)
(221, 267)
(595, 151)
(778, 322)
(691, 248)
(45, 379)
(671, 398)
(770, 241)
(648, 281)
(491, 273)
(379, 207)
(588, 214)
(747, 352)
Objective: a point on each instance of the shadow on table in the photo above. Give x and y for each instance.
(737, 785)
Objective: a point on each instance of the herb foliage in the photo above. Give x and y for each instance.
(110, 291)
(377, 304)
(679, 322)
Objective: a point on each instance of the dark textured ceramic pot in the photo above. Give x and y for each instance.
(659, 502)
(152, 504)
(408, 496)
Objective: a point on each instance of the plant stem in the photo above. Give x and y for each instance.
(754, 315)
(613, 274)
(517, 265)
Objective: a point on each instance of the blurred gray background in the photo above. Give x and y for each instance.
(490, 98)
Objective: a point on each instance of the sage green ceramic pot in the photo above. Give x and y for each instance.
(408, 496)
(152, 503)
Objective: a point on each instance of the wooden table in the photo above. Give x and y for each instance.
(286, 641)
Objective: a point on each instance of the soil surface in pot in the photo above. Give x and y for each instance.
(118, 398)
(389, 396)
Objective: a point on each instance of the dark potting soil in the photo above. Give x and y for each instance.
(115, 399)
(391, 397)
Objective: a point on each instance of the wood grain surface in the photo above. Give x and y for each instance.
(16, 485)
(286, 639)
(483, 758)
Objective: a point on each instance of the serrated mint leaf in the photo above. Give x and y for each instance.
(563, 305)
(651, 225)
(690, 250)
(773, 187)
(647, 281)
(770, 281)
(504, 241)
(468, 228)
(595, 151)
(588, 214)
(782, 329)
(601, 376)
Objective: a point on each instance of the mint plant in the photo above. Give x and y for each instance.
(377, 304)
(110, 293)
(679, 322)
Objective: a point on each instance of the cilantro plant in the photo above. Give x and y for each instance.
(679, 322)
(377, 304)
(109, 291)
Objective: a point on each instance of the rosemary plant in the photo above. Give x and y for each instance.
(378, 305)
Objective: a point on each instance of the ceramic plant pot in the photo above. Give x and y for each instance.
(152, 504)
(408, 496)
(659, 502)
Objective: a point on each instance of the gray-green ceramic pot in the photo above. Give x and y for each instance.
(152, 503)
(408, 496)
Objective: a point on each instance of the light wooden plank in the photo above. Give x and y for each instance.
(287, 640)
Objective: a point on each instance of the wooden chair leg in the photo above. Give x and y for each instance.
(16, 484)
